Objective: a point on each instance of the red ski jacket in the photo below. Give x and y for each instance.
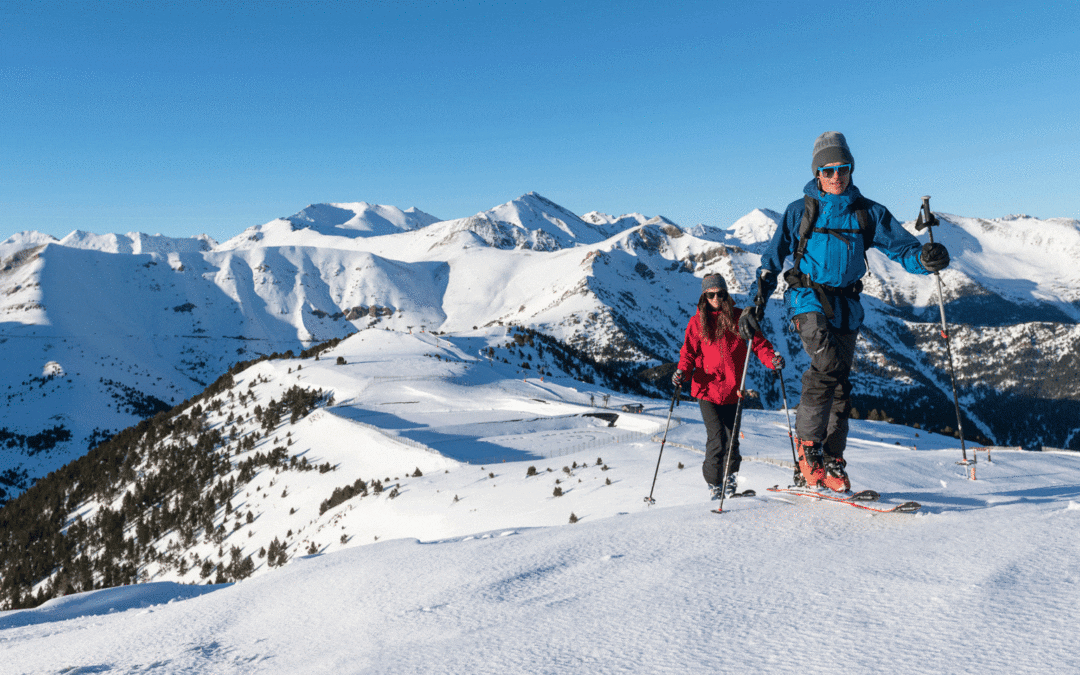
(714, 368)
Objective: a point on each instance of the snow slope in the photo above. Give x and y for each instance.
(1022, 260)
(474, 567)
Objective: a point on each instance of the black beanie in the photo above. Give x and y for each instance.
(830, 147)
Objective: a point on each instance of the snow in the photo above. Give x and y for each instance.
(335, 225)
(755, 229)
(1022, 259)
(475, 568)
(135, 243)
(24, 240)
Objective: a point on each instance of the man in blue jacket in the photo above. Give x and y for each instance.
(827, 233)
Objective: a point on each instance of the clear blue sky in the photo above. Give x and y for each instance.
(191, 117)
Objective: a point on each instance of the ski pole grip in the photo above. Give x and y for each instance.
(924, 219)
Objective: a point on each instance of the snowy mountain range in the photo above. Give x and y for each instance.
(101, 331)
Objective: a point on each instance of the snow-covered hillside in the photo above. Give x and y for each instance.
(138, 323)
(509, 533)
(1004, 271)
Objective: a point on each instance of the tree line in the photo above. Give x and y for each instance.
(169, 474)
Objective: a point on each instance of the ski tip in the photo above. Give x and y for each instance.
(908, 507)
(864, 496)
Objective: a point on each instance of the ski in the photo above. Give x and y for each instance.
(859, 499)
(860, 496)
(744, 493)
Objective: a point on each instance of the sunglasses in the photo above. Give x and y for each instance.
(828, 171)
(712, 294)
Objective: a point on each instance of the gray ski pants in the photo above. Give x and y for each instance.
(825, 403)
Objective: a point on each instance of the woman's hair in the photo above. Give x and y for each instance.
(715, 324)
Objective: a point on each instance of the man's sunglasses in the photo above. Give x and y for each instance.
(828, 171)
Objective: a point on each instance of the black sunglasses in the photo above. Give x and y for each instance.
(712, 294)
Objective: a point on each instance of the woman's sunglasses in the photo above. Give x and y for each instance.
(712, 294)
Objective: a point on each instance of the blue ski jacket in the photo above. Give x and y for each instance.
(836, 259)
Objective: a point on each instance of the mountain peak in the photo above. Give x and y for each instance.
(350, 220)
(360, 219)
(28, 238)
(533, 221)
(755, 229)
(137, 243)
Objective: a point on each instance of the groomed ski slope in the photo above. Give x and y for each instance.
(984, 579)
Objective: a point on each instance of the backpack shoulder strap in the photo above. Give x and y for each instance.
(806, 227)
(866, 224)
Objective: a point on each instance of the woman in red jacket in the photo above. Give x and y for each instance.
(712, 358)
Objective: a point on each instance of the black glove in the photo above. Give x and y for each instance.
(676, 377)
(766, 284)
(749, 322)
(934, 257)
(777, 362)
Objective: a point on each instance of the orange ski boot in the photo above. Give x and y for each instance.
(836, 478)
(811, 463)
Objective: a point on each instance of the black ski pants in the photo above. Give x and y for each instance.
(825, 403)
(719, 426)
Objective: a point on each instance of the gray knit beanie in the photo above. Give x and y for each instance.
(830, 147)
(712, 281)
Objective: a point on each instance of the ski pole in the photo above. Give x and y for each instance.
(674, 395)
(735, 426)
(790, 435)
(927, 221)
